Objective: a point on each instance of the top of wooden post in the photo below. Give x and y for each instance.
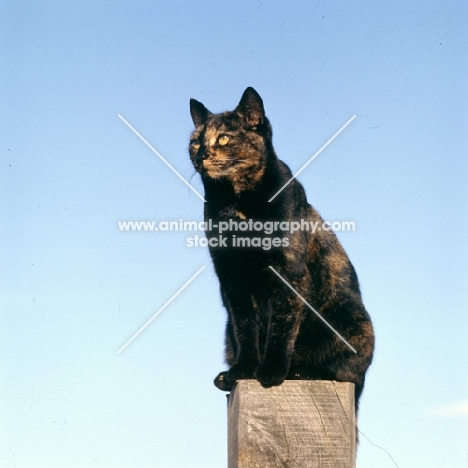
(299, 424)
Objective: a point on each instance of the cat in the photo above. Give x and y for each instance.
(271, 334)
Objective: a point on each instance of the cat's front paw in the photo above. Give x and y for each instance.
(240, 372)
(225, 380)
(223, 383)
(271, 374)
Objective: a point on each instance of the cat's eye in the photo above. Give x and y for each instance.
(195, 144)
(223, 140)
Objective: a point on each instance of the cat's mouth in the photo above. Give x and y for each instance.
(244, 175)
(216, 168)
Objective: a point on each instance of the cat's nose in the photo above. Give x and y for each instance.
(201, 156)
(205, 154)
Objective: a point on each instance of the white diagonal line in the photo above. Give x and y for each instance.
(312, 158)
(159, 155)
(312, 309)
(161, 309)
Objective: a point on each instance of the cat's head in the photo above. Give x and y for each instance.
(232, 146)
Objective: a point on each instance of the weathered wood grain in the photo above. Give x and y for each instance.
(300, 424)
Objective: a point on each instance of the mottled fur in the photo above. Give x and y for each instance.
(270, 334)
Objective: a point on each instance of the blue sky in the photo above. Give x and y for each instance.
(75, 288)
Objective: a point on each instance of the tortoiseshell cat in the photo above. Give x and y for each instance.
(271, 335)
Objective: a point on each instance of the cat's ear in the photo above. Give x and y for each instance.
(199, 112)
(251, 108)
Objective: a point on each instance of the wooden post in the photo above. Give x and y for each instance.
(299, 424)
